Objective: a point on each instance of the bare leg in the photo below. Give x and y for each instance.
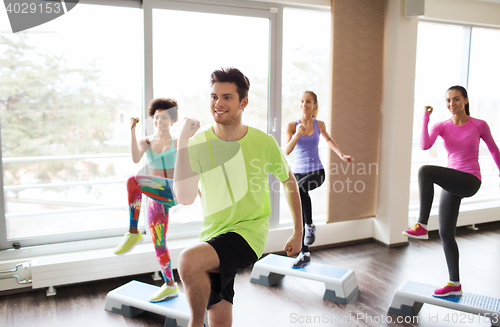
(194, 265)
(220, 314)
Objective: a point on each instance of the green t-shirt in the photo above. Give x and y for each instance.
(234, 183)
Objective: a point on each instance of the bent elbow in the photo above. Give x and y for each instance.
(185, 200)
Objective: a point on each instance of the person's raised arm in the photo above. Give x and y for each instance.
(294, 243)
(185, 179)
(137, 149)
(427, 139)
(331, 143)
(292, 136)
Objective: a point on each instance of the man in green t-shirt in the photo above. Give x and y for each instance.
(232, 161)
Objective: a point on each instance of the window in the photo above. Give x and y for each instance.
(64, 147)
(306, 55)
(186, 52)
(450, 55)
(65, 105)
(485, 103)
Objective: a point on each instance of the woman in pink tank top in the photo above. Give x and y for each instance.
(462, 178)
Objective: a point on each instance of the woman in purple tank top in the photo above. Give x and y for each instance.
(302, 137)
(461, 179)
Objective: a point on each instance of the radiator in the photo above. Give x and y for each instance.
(64, 269)
(15, 274)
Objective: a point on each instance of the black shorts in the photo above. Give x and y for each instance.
(234, 255)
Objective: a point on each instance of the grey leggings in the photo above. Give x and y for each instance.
(456, 185)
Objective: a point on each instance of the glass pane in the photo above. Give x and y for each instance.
(66, 94)
(439, 65)
(188, 47)
(306, 53)
(483, 91)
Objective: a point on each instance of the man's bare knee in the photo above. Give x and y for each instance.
(187, 264)
(197, 260)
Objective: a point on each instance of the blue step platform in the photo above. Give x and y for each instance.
(411, 296)
(133, 298)
(341, 284)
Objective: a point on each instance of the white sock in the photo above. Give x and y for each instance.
(423, 225)
(306, 253)
(455, 283)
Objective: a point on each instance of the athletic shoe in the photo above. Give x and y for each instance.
(128, 242)
(302, 261)
(165, 292)
(417, 232)
(448, 290)
(309, 237)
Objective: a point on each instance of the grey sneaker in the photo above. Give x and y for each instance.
(302, 260)
(309, 237)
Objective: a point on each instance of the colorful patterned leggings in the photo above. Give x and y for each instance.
(161, 199)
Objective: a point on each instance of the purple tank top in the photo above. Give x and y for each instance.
(306, 152)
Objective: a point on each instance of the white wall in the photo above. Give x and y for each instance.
(321, 3)
(397, 122)
(483, 13)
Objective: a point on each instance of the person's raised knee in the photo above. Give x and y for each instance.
(189, 264)
(424, 170)
(132, 184)
(185, 263)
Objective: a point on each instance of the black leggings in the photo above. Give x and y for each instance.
(308, 182)
(456, 185)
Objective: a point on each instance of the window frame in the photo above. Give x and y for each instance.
(272, 11)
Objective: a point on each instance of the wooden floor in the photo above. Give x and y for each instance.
(379, 271)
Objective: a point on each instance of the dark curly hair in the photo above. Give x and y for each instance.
(164, 104)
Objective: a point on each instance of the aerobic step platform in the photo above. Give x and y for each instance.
(341, 284)
(133, 298)
(411, 296)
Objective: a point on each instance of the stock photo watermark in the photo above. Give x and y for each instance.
(26, 14)
(357, 185)
(345, 177)
(371, 320)
(222, 163)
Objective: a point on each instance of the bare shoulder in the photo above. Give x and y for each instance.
(290, 126)
(321, 125)
(175, 143)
